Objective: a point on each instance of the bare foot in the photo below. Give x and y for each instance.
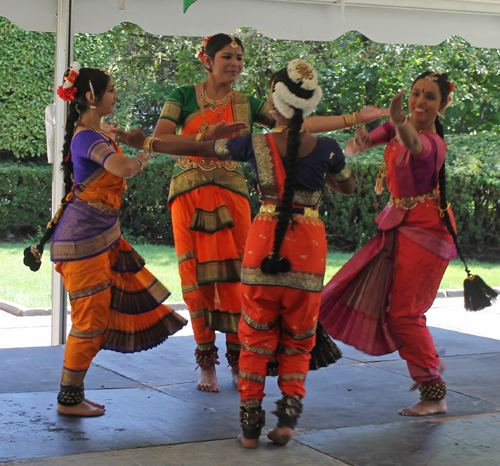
(92, 403)
(425, 407)
(83, 409)
(208, 380)
(247, 442)
(236, 378)
(280, 435)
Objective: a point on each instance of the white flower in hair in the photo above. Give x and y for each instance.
(286, 101)
(303, 73)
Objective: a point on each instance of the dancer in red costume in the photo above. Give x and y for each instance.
(377, 301)
(284, 260)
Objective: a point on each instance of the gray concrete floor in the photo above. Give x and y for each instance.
(155, 415)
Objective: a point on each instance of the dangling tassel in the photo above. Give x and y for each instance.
(477, 294)
(33, 257)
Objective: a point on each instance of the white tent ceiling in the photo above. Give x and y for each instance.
(426, 22)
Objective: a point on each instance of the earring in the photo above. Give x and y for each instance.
(92, 106)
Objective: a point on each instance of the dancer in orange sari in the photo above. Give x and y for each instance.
(209, 199)
(377, 301)
(116, 303)
(284, 260)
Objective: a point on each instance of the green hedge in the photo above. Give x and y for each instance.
(473, 172)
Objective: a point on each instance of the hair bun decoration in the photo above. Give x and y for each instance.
(303, 77)
(68, 90)
(201, 53)
(303, 73)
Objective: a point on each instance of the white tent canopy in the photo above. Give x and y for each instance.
(425, 22)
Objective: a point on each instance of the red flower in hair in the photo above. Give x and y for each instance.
(201, 53)
(67, 93)
(451, 87)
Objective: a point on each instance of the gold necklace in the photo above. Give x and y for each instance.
(100, 131)
(280, 129)
(213, 107)
(382, 172)
(213, 104)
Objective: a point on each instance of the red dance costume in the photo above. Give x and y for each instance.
(377, 301)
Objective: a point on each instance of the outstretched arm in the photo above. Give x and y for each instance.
(406, 132)
(325, 124)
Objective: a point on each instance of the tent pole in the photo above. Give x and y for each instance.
(63, 56)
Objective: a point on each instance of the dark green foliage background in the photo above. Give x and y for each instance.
(353, 71)
(473, 171)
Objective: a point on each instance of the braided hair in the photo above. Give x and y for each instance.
(78, 105)
(287, 102)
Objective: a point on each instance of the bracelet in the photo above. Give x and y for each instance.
(351, 121)
(199, 137)
(140, 163)
(148, 145)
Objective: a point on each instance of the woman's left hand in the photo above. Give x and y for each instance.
(134, 138)
(371, 113)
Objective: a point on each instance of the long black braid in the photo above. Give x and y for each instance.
(274, 264)
(80, 104)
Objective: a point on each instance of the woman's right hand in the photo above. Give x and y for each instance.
(223, 129)
(134, 138)
(363, 141)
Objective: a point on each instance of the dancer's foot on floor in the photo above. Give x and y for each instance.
(208, 380)
(236, 377)
(249, 443)
(83, 409)
(425, 407)
(280, 435)
(92, 403)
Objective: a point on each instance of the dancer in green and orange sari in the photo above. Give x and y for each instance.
(116, 303)
(209, 199)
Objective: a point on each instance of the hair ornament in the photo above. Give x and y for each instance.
(434, 76)
(233, 43)
(68, 90)
(201, 53)
(303, 73)
(286, 101)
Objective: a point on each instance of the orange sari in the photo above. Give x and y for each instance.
(115, 300)
(211, 220)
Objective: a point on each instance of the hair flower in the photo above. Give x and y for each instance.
(67, 91)
(452, 87)
(303, 73)
(201, 53)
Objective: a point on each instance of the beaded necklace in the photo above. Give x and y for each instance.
(213, 106)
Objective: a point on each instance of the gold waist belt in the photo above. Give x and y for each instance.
(305, 211)
(411, 202)
(207, 164)
(103, 207)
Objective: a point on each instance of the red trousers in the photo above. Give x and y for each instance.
(280, 322)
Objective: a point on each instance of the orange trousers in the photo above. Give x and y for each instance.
(279, 322)
(210, 259)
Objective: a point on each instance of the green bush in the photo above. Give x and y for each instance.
(473, 173)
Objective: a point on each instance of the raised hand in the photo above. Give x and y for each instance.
(134, 138)
(223, 129)
(371, 113)
(396, 113)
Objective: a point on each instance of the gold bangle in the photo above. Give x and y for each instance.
(199, 137)
(351, 120)
(148, 145)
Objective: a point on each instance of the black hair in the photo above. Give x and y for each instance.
(79, 105)
(218, 42)
(274, 264)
